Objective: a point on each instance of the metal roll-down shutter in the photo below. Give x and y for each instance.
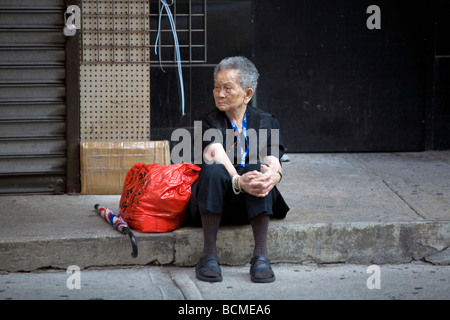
(32, 97)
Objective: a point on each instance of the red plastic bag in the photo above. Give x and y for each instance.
(154, 197)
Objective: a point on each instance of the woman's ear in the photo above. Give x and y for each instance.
(248, 95)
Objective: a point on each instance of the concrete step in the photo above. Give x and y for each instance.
(345, 208)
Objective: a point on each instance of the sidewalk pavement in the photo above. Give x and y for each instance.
(236, 294)
(356, 208)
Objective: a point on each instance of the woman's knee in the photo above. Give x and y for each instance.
(252, 167)
(213, 171)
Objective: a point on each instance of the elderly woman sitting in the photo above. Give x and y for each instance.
(238, 182)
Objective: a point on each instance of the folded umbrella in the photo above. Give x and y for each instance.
(118, 223)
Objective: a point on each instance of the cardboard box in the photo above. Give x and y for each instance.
(104, 165)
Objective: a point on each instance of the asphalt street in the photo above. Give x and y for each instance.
(417, 280)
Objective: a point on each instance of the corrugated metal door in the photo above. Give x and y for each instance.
(33, 144)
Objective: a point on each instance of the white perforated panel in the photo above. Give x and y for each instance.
(115, 102)
(115, 70)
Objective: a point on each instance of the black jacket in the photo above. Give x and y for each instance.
(262, 124)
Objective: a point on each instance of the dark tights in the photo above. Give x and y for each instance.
(259, 224)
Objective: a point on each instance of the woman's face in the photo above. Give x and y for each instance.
(228, 93)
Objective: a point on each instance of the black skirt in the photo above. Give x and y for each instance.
(213, 193)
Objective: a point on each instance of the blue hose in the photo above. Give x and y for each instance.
(165, 6)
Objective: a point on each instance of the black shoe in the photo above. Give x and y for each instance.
(261, 267)
(207, 270)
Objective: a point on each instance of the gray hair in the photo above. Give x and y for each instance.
(249, 73)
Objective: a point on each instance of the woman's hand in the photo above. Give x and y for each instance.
(274, 166)
(258, 183)
(255, 183)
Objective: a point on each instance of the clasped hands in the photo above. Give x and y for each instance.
(256, 183)
(259, 183)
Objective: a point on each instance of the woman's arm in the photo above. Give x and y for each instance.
(215, 152)
(248, 182)
(275, 169)
(255, 183)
